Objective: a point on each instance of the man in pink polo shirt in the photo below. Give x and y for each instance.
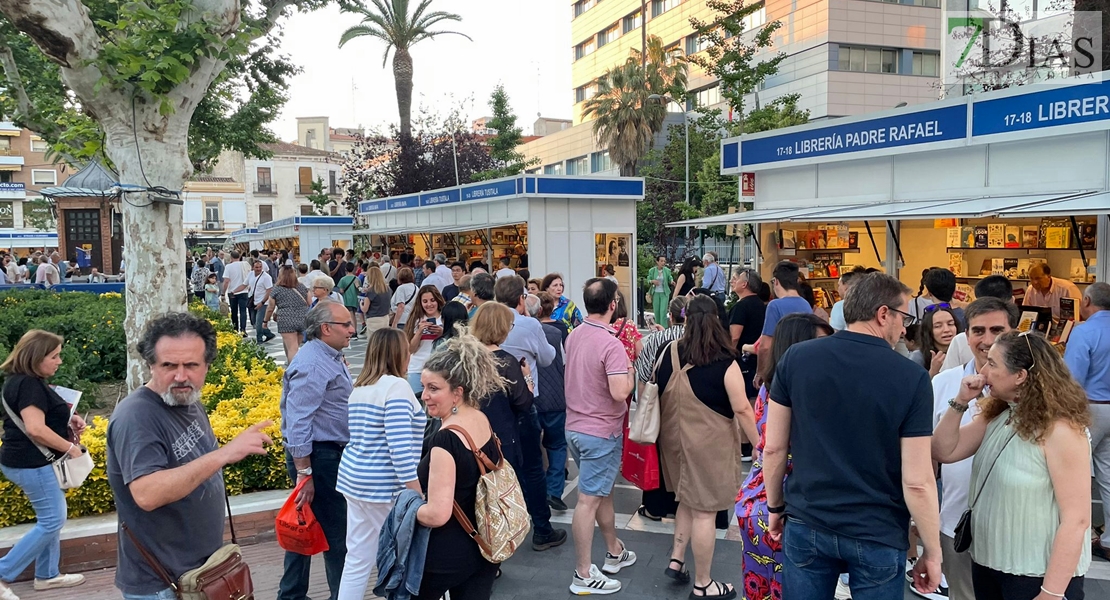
(598, 381)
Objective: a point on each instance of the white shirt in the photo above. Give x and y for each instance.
(437, 280)
(503, 272)
(311, 278)
(14, 275)
(406, 292)
(959, 352)
(260, 284)
(47, 274)
(389, 271)
(236, 275)
(956, 477)
(444, 273)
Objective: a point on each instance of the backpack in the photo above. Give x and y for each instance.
(499, 508)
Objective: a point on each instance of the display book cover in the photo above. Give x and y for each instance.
(1060, 329)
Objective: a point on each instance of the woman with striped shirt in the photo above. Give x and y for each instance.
(387, 429)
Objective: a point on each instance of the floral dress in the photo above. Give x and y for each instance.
(762, 560)
(628, 335)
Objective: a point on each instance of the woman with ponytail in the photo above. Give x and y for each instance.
(455, 378)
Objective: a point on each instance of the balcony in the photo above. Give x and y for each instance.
(213, 225)
(304, 190)
(9, 152)
(10, 157)
(265, 189)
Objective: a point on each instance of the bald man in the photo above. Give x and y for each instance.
(1045, 290)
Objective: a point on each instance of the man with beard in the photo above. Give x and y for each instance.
(314, 396)
(164, 465)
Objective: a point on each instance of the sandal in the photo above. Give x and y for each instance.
(642, 511)
(680, 575)
(725, 591)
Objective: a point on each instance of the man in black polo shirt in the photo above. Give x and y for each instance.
(857, 419)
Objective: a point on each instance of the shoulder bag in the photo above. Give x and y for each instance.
(224, 576)
(962, 541)
(70, 472)
(643, 426)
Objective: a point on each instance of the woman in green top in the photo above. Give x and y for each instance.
(348, 288)
(1030, 489)
(660, 280)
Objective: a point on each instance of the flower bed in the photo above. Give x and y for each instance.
(243, 387)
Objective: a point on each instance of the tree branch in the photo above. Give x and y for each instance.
(15, 84)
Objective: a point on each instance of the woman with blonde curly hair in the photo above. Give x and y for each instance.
(455, 378)
(1030, 489)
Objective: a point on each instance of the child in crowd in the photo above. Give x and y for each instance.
(211, 292)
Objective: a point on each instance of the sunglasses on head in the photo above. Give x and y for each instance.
(937, 306)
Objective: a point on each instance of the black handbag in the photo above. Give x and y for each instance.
(962, 540)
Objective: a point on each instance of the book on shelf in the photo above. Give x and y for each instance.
(967, 236)
(956, 263)
(1079, 271)
(832, 239)
(1028, 318)
(801, 239)
(1030, 236)
(842, 236)
(998, 266)
(1010, 267)
(953, 237)
(981, 236)
(963, 292)
(1067, 309)
(1057, 237)
(985, 269)
(996, 235)
(1013, 236)
(786, 239)
(1087, 231)
(1059, 331)
(853, 239)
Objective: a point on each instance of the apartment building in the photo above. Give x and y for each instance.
(844, 57)
(315, 132)
(24, 170)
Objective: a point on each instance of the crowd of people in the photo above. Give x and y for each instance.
(873, 462)
(48, 268)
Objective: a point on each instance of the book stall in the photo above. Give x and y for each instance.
(968, 188)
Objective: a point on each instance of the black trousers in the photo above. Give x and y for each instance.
(996, 585)
(330, 508)
(463, 586)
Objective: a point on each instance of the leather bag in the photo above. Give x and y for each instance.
(643, 427)
(70, 472)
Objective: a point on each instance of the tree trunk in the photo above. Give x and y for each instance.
(402, 78)
(154, 238)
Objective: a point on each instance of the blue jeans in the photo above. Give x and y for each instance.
(330, 508)
(260, 330)
(813, 559)
(41, 544)
(166, 594)
(415, 383)
(238, 305)
(531, 475)
(554, 426)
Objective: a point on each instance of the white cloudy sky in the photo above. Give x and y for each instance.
(524, 44)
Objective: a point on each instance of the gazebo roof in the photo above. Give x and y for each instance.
(94, 180)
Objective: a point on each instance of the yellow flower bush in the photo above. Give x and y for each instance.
(243, 387)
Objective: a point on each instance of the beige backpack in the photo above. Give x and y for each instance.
(499, 508)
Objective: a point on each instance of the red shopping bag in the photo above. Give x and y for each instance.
(297, 528)
(640, 464)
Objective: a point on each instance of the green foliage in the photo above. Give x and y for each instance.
(503, 145)
(319, 197)
(39, 214)
(780, 112)
(729, 56)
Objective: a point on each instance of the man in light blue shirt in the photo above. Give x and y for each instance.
(836, 315)
(314, 394)
(1086, 356)
(712, 277)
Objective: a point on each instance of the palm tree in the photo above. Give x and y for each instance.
(625, 120)
(390, 22)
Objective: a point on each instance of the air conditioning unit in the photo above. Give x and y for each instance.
(211, 225)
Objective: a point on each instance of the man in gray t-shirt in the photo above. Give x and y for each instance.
(164, 465)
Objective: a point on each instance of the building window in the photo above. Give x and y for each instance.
(659, 7)
(265, 184)
(583, 5)
(673, 51)
(633, 21)
(532, 171)
(306, 210)
(579, 94)
(705, 98)
(265, 213)
(44, 177)
(578, 166)
(758, 18)
(333, 183)
(867, 60)
(555, 169)
(599, 161)
(694, 44)
(584, 49)
(5, 144)
(212, 215)
(39, 146)
(926, 63)
(333, 209)
(609, 35)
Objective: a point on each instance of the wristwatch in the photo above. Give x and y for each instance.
(307, 472)
(776, 510)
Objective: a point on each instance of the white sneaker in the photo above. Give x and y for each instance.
(842, 591)
(6, 592)
(61, 581)
(595, 584)
(613, 564)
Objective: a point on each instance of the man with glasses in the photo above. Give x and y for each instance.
(314, 394)
(861, 451)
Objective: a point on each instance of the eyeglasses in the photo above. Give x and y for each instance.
(937, 306)
(1029, 345)
(907, 318)
(341, 323)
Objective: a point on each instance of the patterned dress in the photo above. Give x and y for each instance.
(762, 558)
(628, 335)
(567, 312)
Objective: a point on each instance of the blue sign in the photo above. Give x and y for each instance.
(485, 191)
(275, 224)
(1051, 107)
(730, 156)
(370, 206)
(11, 186)
(439, 197)
(403, 202)
(907, 129)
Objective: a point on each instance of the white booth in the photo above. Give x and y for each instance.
(245, 240)
(545, 224)
(305, 236)
(984, 184)
(23, 243)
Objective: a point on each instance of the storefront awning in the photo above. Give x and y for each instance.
(964, 208)
(1085, 205)
(457, 228)
(772, 215)
(10, 167)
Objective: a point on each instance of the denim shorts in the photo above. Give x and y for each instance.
(166, 594)
(599, 462)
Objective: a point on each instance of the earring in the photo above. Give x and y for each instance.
(455, 409)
